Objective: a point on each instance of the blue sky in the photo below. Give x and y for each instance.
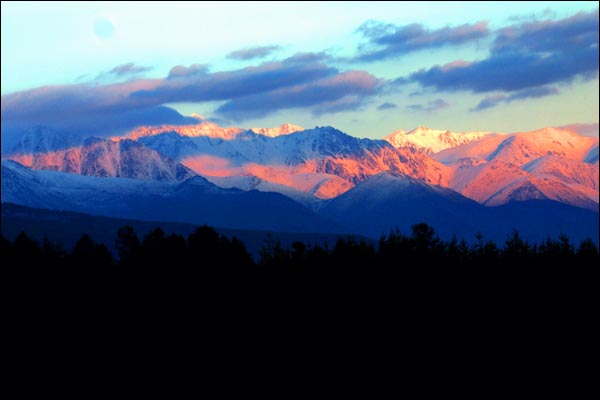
(366, 68)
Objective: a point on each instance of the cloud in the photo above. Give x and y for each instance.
(306, 57)
(392, 41)
(128, 69)
(339, 92)
(232, 84)
(531, 93)
(579, 30)
(247, 92)
(387, 106)
(525, 56)
(431, 106)
(251, 53)
(490, 101)
(181, 71)
(120, 72)
(583, 129)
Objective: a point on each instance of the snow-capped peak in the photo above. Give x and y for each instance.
(284, 129)
(432, 140)
(209, 129)
(205, 128)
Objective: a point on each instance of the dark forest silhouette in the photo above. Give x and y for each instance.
(209, 277)
(170, 263)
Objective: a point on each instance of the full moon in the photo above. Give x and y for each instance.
(103, 28)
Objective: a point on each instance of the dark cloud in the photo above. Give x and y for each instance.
(251, 53)
(431, 106)
(531, 93)
(181, 71)
(247, 92)
(339, 92)
(387, 106)
(128, 69)
(232, 84)
(580, 30)
(525, 56)
(390, 40)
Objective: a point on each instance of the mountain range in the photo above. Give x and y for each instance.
(313, 180)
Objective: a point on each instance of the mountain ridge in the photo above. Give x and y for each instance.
(324, 162)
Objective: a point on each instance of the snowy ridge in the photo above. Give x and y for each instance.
(205, 128)
(432, 140)
(284, 129)
(194, 200)
(298, 160)
(208, 129)
(106, 158)
(41, 139)
(390, 200)
(255, 183)
(323, 163)
(523, 147)
(497, 182)
(548, 163)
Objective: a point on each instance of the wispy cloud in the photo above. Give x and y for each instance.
(431, 106)
(128, 69)
(534, 93)
(530, 93)
(387, 106)
(120, 72)
(490, 101)
(251, 53)
(387, 40)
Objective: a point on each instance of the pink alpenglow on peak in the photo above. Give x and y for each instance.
(432, 140)
(204, 128)
(284, 129)
(209, 129)
(197, 116)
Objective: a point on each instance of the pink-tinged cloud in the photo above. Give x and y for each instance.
(456, 64)
(293, 82)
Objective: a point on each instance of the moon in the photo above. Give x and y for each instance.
(103, 28)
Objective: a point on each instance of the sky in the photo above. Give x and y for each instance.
(366, 68)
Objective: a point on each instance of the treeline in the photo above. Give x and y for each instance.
(160, 260)
(207, 276)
